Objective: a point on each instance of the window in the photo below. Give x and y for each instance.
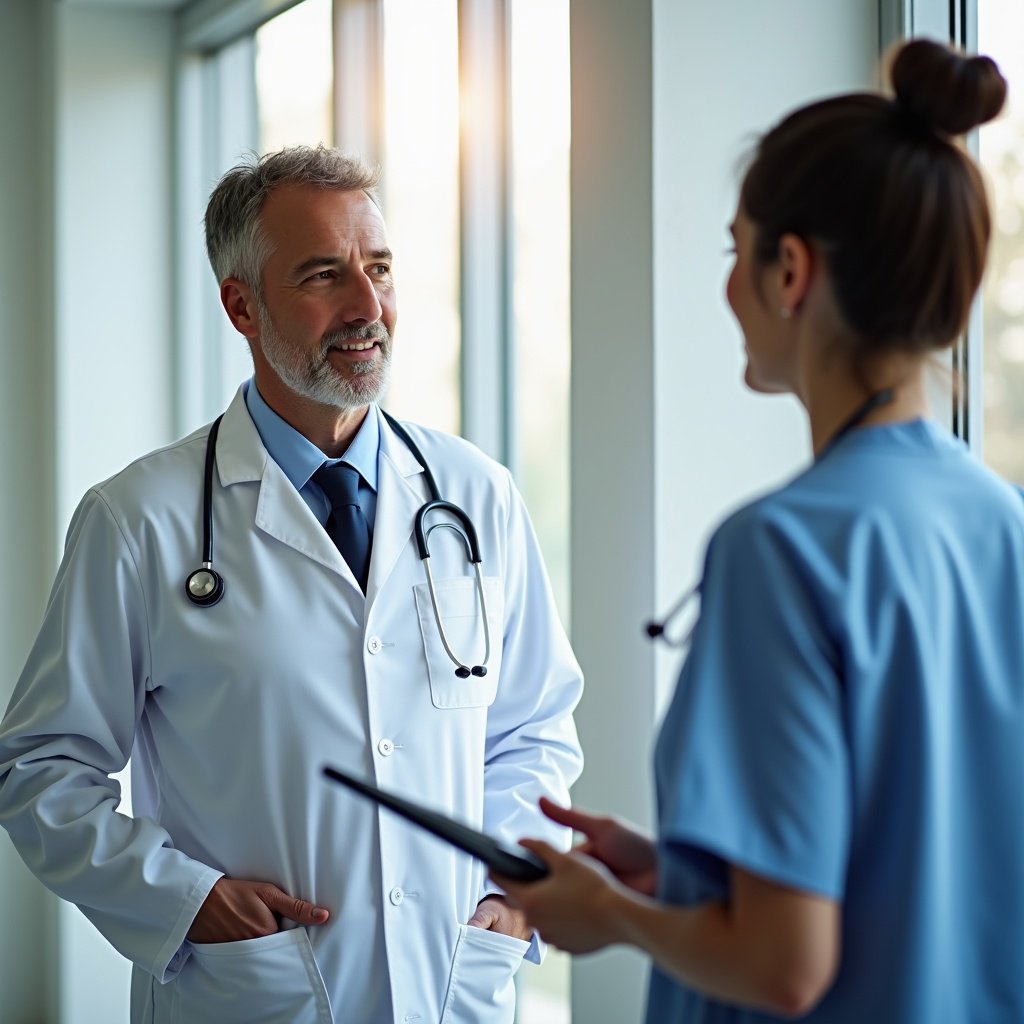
(294, 77)
(421, 206)
(1001, 145)
(540, 282)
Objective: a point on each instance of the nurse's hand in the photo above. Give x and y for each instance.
(574, 906)
(237, 909)
(494, 914)
(630, 855)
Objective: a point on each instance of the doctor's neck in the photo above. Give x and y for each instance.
(330, 427)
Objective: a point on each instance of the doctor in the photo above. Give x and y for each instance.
(244, 888)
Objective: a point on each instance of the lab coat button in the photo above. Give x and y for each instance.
(386, 747)
(373, 645)
(396, 896)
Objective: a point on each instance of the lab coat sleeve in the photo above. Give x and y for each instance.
(532, 749)
(70, 725)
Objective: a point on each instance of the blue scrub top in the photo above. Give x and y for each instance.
(850, 722)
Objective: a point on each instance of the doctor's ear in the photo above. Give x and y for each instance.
(795, 267)
(240, 304)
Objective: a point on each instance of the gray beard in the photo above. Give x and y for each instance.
(312, 376)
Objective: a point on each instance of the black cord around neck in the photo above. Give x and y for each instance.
(859, 415)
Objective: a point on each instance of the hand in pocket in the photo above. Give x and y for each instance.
(236, 909)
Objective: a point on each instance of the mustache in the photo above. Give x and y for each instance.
(368, 332)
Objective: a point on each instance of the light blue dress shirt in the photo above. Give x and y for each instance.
(850, 722)
(299, 458)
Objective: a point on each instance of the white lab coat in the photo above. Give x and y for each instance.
(230, 712)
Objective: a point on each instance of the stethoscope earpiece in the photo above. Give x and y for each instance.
(654, 629)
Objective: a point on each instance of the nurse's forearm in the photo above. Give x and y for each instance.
(772, 948)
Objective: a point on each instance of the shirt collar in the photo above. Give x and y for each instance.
(297, 456)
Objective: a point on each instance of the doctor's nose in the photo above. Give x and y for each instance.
(360, 303)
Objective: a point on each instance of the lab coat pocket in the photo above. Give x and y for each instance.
(270, 980)
(481, 988)
(458, 605)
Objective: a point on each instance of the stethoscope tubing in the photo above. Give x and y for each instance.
(211, 452)
(205, 586)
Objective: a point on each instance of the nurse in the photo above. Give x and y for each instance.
(840, 775)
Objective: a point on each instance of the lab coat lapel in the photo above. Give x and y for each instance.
(401, 491)
(280, 510)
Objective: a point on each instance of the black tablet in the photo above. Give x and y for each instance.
(515, 863)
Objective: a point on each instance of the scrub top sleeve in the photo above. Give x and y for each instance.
(69, 728)
(752, 762)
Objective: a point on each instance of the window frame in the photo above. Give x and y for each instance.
(956, 21)
(216, 119)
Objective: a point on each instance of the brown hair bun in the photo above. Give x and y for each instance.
(944, 90)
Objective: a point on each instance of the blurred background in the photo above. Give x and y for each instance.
(558, 180)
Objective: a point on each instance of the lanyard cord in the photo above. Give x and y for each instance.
(859, 415)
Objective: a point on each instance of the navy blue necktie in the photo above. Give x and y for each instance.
(346, 524)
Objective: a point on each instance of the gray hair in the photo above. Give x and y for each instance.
(235, 239)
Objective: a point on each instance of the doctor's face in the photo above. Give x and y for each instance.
(328, 308)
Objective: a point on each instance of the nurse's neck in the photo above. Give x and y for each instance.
(836, 391)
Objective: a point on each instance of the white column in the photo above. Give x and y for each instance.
(613, 438)
(666, 97)
(26, 454)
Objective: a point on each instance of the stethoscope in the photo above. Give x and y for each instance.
(657, 629)
(205, 586)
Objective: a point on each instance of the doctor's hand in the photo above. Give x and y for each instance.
(630, 855)
(237, 909)
(494, 914)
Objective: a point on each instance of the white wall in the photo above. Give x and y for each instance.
(86, 289)
(664, 439)
(115, 312)
(26, 463)
(720, 80)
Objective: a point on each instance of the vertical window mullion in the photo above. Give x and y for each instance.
(359, 78)
(191, 335)
(968, 397)
(485, 227)
(217, 122)
(952, 396)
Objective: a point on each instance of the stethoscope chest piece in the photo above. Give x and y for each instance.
(204, 586)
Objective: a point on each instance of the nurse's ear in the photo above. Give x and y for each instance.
(239, 302)
(795, 270)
